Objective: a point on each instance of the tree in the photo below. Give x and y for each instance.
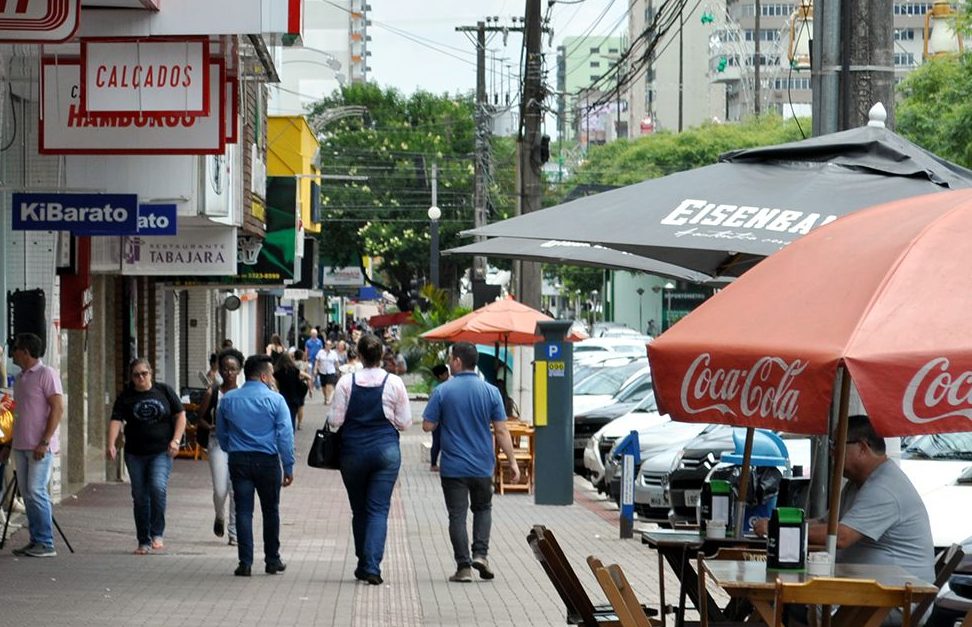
(935, 110)
(393, 148)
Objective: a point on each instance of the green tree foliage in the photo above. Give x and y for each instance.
(394, 146)
(935, 110)
(422, 355)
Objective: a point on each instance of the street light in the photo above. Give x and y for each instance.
(434, 214)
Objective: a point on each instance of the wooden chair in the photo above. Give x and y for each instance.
(945, 564)
(616, 588)
(525, 456)
(579, 607)
(839, 591)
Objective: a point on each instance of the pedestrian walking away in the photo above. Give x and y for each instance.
(464, 407)
(154, 422)
(253, 426)
(39, 408)
(230, 367)
(372, 408)
(290, 385)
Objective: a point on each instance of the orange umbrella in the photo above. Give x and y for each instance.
(504, 321)
(883, 294)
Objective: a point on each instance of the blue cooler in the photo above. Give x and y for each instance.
(769, 452)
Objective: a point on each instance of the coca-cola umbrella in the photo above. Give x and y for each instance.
(883, 294)
(724, 218)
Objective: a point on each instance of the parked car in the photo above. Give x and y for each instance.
(598, 389)
(624, 401)
(652, 441)
(940, 467)
(614, 329)
(651, 503)
(624, 345)
(643, 416)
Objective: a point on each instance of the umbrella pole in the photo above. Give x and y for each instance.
(838, 473)
(744, 482)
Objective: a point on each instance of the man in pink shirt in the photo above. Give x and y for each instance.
(40, 405)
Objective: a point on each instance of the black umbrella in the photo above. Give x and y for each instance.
(722, 219)
(574, 253)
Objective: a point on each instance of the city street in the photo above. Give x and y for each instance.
(192, 583)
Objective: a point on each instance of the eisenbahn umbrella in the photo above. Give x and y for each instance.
(722, 219)
(883, 295)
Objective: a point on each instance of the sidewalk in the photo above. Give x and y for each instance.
(192, 583)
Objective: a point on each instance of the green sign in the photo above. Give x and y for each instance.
(275, 261)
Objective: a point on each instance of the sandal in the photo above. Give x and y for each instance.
(157, 544)
(143, 549)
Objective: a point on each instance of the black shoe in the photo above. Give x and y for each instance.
(360, 575)
(218, 527)
(374, 580)
(275, 567)
(242, 570)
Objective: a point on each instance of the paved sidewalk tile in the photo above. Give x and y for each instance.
(192, 582)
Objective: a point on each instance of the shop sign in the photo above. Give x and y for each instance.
(38, 21)
(157, 219)
(197, 251)
(160, 76)
(348, 276)
(66, 129)
(81, 214)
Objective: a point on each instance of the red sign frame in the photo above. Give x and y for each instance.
(30, 29)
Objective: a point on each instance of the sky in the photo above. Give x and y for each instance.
(414, 43)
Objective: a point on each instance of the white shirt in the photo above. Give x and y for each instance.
(394, 398)
(327, 361)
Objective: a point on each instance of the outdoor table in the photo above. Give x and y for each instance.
(752, 581)
(678, 548)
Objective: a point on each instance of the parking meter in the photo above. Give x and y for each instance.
(553, 414)
(630, 451)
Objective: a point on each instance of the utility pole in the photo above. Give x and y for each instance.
(481, 157)
(529, 143)
(757, 60)
(681, 68)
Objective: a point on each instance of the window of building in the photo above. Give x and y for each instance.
(911, 8)
(904, 34)
(595, 64)
(764, 34)
(612, 50)
(781, 84)
(595, 78)
(595, 51)
(906, 59)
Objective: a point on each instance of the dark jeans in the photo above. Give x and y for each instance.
(436, 446)
(149, 475)
(369, 477)
(258, 472)
(469, 493)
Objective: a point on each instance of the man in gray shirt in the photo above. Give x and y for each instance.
(882, 518)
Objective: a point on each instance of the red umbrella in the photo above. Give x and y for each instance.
(504, 321)
(883, 293)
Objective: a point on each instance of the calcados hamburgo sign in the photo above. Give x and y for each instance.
(38, 21)
(66, 129)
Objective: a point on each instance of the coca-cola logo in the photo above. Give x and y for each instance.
(934, 393)
(765, 390)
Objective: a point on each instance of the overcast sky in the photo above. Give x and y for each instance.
(414, 43)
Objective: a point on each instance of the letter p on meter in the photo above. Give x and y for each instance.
(553, 351)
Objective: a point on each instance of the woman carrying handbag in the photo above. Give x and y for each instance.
(371, 407)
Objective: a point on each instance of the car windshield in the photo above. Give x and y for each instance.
(648, 403)
(940, 446)
(607, 380)
(635, 391)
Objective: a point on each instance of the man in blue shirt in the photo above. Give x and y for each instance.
(462, 408)
(312, 346)
(253, 426)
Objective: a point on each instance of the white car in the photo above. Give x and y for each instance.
(603, 383)
(636, 346)
(644, 416)
(940, 468)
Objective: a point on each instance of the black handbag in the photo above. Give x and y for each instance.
(325, 450)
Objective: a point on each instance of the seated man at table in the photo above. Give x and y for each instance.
(882, 518)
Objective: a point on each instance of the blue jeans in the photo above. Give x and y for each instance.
(149, 475)
(464, 494)
(33, 475)
(369, 477)
(260, 473)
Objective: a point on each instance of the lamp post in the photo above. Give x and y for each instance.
(434, 214)
(667, 313)
(641, 322)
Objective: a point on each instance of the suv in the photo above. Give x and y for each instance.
(590, 422)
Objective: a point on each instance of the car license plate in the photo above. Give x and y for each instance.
(692, 497)
(656, 500)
